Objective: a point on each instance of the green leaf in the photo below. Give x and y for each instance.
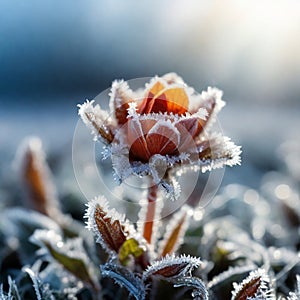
(129, 247)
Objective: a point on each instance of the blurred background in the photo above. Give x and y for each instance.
(54, 55)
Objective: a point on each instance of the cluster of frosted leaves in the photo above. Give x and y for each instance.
(227, 239)
(203, 153)
(133, 263)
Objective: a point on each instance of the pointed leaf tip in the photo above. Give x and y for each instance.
(108, 225)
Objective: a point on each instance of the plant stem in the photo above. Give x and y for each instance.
(150, 214)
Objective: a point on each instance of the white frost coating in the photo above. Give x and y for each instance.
(263, 292)
(153, 81)
(110, 213)
(94, 117)
(120, 162)
(209, 96)
(186, 261)
(158, 165)
(224, 152)
(200, 114)
(35, 281)
(171, 187)
(296, 294)
(172, 77)
(232, 271)
(132, 110)
(176, 218)
(119, 94)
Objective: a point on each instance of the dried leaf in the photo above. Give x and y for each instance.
(255, 286)
(120, 97)
(109, 226)
(171, 267)
(36, 178)
(97, 120)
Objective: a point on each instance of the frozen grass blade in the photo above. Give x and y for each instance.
(175, 232)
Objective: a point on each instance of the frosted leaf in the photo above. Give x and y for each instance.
(20, 222)
(70, 254)
(228, 274)
(217, 151)
(255, 286)
(211, 100)
(42, 290)
(120, 97)
(171, 266)
(13, 293)
(125, 278)
(97, 120)
(36, 178)
(175, 232)
(199, 289)
(110, 227)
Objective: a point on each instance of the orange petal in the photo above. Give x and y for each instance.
(137, 141)
(173, 100)
(189, 129)
(121, 113)
(156, 88)
(147, 103)
(162, 139)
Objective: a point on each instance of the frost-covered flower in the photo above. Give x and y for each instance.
(163, 128)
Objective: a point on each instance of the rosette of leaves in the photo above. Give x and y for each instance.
(135, 264)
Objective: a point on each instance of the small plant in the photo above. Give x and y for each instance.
(157, 133)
